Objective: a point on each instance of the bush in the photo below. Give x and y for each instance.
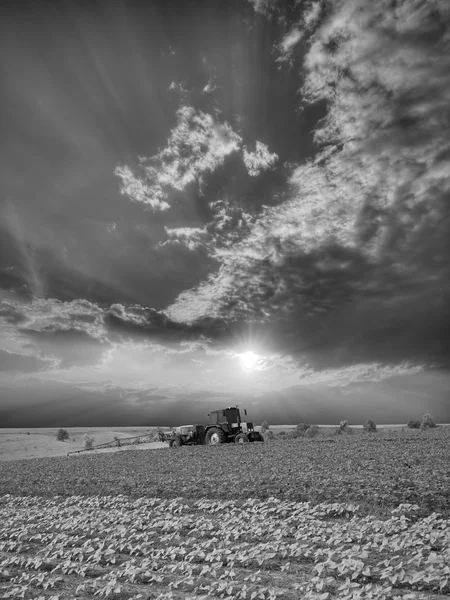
(370, 426)
(281, 433)
(88, 441)
(301, 428)
(414, 424)
(62, 435)
(343, 428)
(312, 430)
(269, 435)
(264, 426)
(427, 421)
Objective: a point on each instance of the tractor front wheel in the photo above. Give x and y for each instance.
(215, 436)
(241, 438)
(175, 442)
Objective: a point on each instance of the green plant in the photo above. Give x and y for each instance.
(427, 421)
(269, 435)
(414, 424)
(370, 426)
(62, 435)
(264, 426)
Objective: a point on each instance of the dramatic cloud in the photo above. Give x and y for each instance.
(339, 273)
(197, 145)
(259, 160)
(287, 274)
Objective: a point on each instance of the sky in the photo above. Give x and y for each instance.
(208, 203)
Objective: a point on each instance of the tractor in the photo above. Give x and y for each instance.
(224, 426)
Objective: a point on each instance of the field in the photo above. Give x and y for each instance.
(351, 516)
(17, 444)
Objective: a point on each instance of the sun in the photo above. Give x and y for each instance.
(248, 359)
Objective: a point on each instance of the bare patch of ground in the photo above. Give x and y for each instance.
(18, 444)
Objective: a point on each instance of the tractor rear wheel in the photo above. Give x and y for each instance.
(241, 438)
(175, 442)
(215, 436)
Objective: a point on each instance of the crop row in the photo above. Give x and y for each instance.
(376, 471)
(120, 547)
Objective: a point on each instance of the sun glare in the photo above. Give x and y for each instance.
(248, 359)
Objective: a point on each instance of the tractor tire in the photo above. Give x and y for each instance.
(215, 436)
(241, 438)
(175, 442)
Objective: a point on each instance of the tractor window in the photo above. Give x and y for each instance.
(231, 415)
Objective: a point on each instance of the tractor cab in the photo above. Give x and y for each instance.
(226, 426)
(230, 415)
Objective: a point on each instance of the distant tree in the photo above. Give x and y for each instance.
(301, 428)
(264, 426)
(343, 427)
(312, 430)
(414, 424)
(370, 426)
(427, 421)
(62, 435)
(89, 441)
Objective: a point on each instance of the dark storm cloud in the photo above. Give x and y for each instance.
(342, 271)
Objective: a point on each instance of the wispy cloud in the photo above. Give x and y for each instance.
(191, 237)
(229, 223)
(264, 7)
(288, 43)
(134, 185)
(197, 145)
(259, 160)
(340, 271)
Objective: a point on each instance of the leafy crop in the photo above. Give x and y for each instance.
(378, 472)
(124, 548)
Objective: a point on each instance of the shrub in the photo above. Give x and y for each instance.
(281, 433)
(414, 424)
(343, 428)
(264, 426)
(312, 430)
(88, 441)
(269, 435)
(62, 435)
(301, 428)
(427, 421)
(370, 426)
